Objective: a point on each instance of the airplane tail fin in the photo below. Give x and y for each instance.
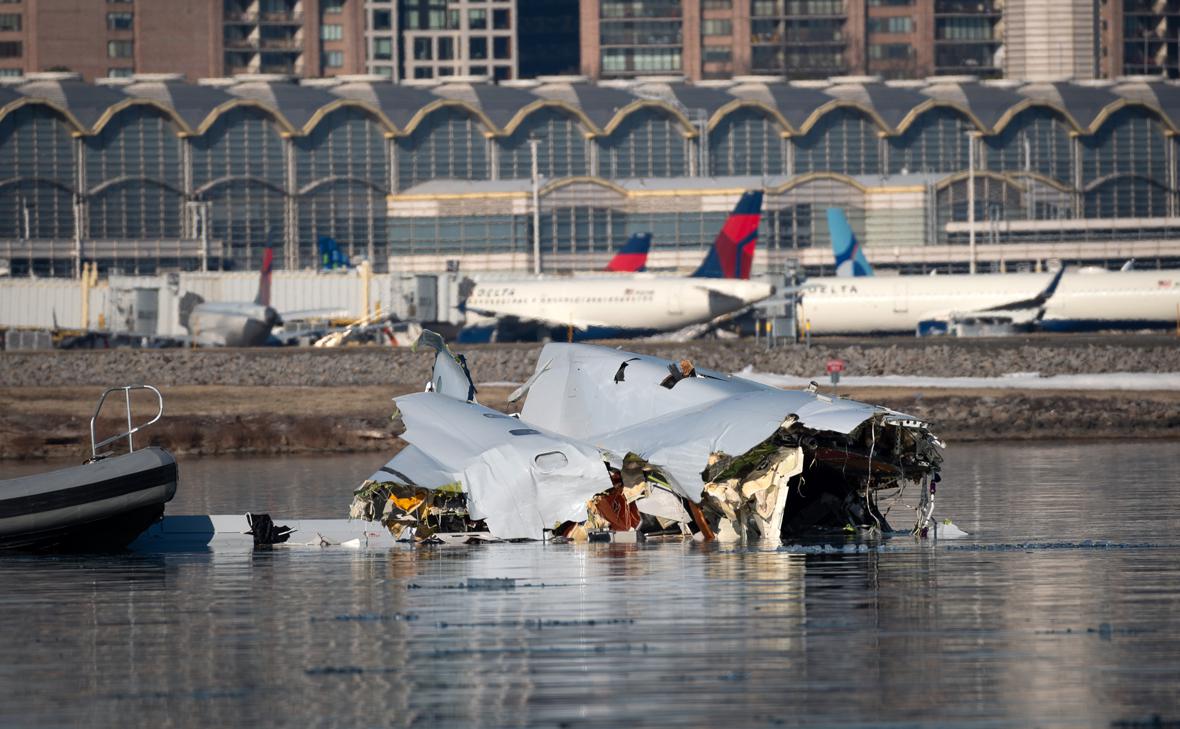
(733, 251)
(188, 302)
(632, 257)
(850, 256)
(331, 257)
(263, 296)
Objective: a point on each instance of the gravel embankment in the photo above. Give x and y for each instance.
(514, 363)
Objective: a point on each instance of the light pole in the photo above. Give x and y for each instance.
(533, 142)
(971, 196)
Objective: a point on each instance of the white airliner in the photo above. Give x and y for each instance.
(627, 306)
(1078, 301)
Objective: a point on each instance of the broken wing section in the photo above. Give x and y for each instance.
(516, 479)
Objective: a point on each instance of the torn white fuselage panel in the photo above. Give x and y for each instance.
(615, 400)
(519, 479)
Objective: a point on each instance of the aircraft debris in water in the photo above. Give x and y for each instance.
(617, 446)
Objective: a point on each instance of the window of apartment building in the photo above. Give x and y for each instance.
(331, 32)
(384, 71)
(382, 20)
(502, 47)
(383, 49)
(111, 2)
(501, 19)
(9, 21)
(477, 19)
(334, 59)
(502, 73)
(718, 54)
(890, 51)
(120, 49)
(10, 49)
(119, 21)
(478, 49)
(718, 4)
(422, 49)
(898, 24)
(640, 59)
(10, 71)
(890, 3)
(332, 6)
(120, 72)
(963, 29)
(771, 8)
(426, 72)
(478, 70)
(712, 26)
(641, 8)
(446, 49)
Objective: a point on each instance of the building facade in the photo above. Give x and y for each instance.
(153, 173)
(799, 39)
(1055, 41)
(1140, 37)
(307, 38)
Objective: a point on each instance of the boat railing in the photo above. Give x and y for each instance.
(131, 429)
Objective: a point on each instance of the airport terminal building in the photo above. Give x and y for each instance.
(153, 174)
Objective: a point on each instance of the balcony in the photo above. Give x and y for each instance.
(281, 18)
(281, 44)
(240, 17)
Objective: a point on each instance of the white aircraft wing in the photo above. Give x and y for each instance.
(1020, 311)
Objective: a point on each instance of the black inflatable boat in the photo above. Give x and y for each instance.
(102, 504)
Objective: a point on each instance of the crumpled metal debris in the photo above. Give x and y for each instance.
(612, 442)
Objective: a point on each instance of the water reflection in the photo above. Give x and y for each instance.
(601, 635)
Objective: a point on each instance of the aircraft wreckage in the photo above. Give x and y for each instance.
(617, 446)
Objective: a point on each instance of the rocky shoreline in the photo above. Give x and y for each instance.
(362, 366)
(274, 401)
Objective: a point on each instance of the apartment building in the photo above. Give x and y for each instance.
(801, 39)
(415, 39)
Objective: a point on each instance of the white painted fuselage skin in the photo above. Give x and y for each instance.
(232, 324)
(632, 303)
(1082, 301)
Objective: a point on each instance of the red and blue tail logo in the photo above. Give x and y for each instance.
(632, 257)
(732, 253)
(263, 297)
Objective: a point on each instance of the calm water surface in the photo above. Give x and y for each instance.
(1061, 609)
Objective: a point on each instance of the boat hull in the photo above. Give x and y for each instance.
(98, 506)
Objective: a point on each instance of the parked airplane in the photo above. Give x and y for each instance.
(850, 256)
(632, 257)
(232, 323)
(624, 306)
(331, 257)
(1077, 301)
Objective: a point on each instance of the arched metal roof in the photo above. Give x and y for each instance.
(84, 104)
(600, 104)
(500, 104)
(191, 103)
(297, 103)
(396, 102)
(796, 106)
(986, 103)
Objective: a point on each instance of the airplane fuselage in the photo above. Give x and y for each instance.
(1082, 301)
(232, 324)
(616, 306)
